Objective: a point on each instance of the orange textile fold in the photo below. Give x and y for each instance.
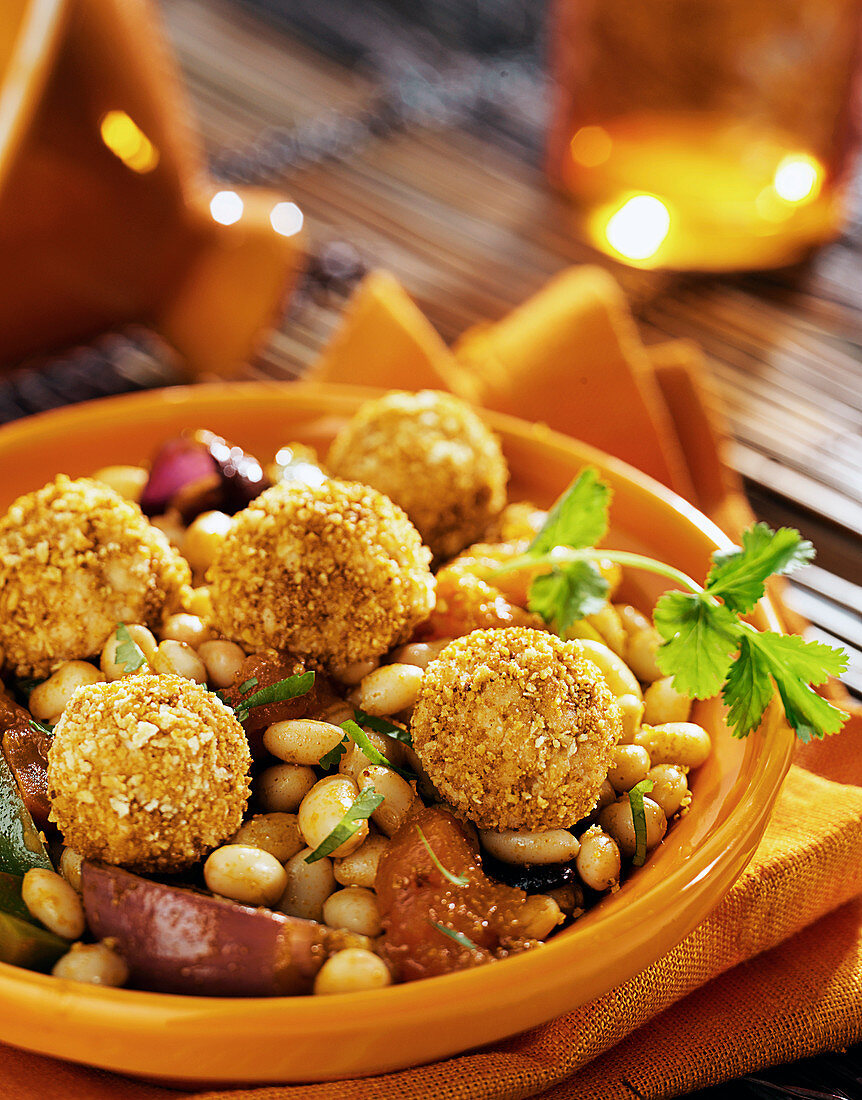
(775, 972)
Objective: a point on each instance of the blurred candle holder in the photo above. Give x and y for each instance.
(711, 135)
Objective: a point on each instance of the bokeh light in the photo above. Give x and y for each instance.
(128, 142)
(226, 207)
(638, 229)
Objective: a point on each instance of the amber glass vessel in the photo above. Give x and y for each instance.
(705, 134)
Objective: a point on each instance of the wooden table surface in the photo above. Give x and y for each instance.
(436, 176)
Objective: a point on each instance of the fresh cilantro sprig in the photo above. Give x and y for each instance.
(40, 727)
(360, 810)
(383, 725)
(636, 802)
(456, 880)
(280, 692)
(707, 647)
(129, 654)
(354, 732)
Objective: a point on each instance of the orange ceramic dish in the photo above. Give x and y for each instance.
(182, 1039)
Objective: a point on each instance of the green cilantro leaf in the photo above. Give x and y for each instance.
(458, 937)
(636, 801)
(456, 880)
(129, 653)
(382, 725)
(700, 638)
(332, 758)
(40, 727)
(793, 664)
(247, 685)
(747, 690)
(738, 576)
(360, 738)
(361, 809)
(280, 692)
(579, 517)
(568, 593)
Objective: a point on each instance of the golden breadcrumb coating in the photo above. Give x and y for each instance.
(149, 772)
(432, 455)
(333, 571)
(515, 729)
(75, 560)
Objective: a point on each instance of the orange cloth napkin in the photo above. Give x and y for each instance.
(775, 972)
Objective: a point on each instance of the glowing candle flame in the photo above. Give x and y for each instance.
(798, 178)
(226, 207)
(638, 229)
(128, 142)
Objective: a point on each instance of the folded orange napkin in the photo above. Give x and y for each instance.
(775, 972)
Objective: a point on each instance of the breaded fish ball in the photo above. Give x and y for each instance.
(150, 772)
(432, 455)
(75, 560)
(335, 572)
(515, 729)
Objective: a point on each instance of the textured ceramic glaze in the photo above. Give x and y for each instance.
(305, 1039)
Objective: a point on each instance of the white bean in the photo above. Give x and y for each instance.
(276, 833)
(670, 787)
(203, 539)
(128, 481)
(200, 603)
(632, 619)
(640, 654)
(94, 963)
(398, 796)
(618, 676)
(605, 797)
(48, 700)
(181, 660)
(354, 760)
(617, 821)
(390, 688)
(352, 674)
(355, 909)
(187, 628)
(360, 867)
(514, 846)
(51, 900)
(308, 886)
(607, 623)
(282, 787)
(420, 654)
(143, 638)
(539, 916)
(70, 868)
(351, 971)
(598, 860)
(663, 703)
(222, 661)
(323, 808)
(301, 740)
(675, 743)
(629, 765)
(631, 709)
(245, 874)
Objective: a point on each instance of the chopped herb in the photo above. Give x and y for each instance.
(360, 738)
(361, 809)
(458, 937)
(706, 647)
(636, 801)
(41, 727)
(280, 692)
(129, 653)
(332, 758)
(247, 685)
(383, 725)
(456, 880)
